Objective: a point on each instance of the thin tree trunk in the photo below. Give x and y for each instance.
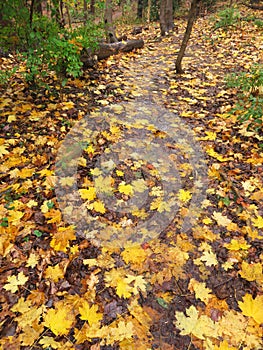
(149, 11)
(166, 16)
(69, 18)
(92, 7)
(39, 7)
(31, 13)
(109, 28)
(85, 9)
(187, 34)
(140, 5)
(63, 22)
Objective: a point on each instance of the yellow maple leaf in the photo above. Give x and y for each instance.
(61, 238)
(224, 346)
(14, 216)
(237, 245)
(98, 206)
(125, 188)
(248, 185)
(24, 173)
(49, 342)
(258, 222)
(59, 321)
(67, 181)
(200, 327)
(15, 281)
(32, 261)
(210, 136)
(156, 191)
(201, 291)
(123, 331)
(251, 272)
(207, 221)
(138, 282)
(258, 195)
(140, 213)
(252, 307)
(115, 130)
(22, 306)
(211, 152)
(45, 207)
(95, 171)
(123, 289)
(103, 184)
(45, 173)
(54, 216)
(209, 258)
(134, 254)
(184, 195)
(119, 173)
(221, 219)
(54, 272)
(89, 193)
(31, 316)
(31, 203)
(90, 314)
(139, 185)
(213, 171)
(3, 151)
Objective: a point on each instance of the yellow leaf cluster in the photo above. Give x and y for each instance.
(90, 313)
(61, 239)
(59, 320)
(15, 281)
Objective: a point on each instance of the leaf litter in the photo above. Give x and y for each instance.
(197, 289)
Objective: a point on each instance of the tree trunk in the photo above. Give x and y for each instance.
(85, 10)
(187, 34)
(92, 7)
(39, 7)
(140, 6)
(31, 13)
(109, 28)
(89, 58)
(166, 16)
(68, 15)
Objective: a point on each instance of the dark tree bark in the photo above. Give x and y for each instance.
(31, 13)
(255, 5)
(187, 34)
(166, 16)
(85, 10)
(92, 7)
(35, 6)
(109, 28)
(140, 6)
(39, 7)
(104, 50)
(58, 10)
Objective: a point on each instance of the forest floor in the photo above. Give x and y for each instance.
(132, 202)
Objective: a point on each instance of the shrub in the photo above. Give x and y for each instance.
(44, 45)
(227, 18)
(250, 96)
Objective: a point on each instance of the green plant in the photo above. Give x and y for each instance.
(38, 233)
(46, 48)
(259, 23)
(5, 76)
(227, 18)
(249, 86)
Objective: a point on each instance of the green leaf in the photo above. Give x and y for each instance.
(37, 233)
(163, 303)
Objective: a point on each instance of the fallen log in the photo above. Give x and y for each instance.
(106, 50)
(255, 5)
